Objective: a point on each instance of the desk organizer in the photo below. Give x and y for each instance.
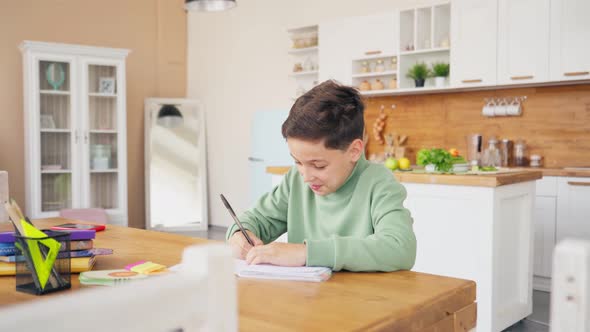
(43, 263)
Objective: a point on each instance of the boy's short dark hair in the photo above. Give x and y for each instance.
(330, 111)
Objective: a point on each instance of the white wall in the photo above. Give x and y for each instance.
(238, 64)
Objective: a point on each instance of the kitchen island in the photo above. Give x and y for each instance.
(477, 227)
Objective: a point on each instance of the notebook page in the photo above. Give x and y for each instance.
(265, 271)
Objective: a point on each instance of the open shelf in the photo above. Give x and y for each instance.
(52, 130)
(100, 94)
(103, 131)
(54, 92)
(110, 170)
(55, 171)
(375, 74)
(304, 73)
(426, 51)
(303, 50)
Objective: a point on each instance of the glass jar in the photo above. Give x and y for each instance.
(365, 67)
(506, 152)
(394, 63)
(520, 154)
(380, 67)
(491, 155)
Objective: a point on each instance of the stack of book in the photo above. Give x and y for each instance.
(82, 251)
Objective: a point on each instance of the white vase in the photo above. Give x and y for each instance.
(439, 81)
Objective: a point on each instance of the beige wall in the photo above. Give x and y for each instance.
(154, 31)
(238, 64)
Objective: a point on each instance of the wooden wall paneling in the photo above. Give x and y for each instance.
(555, 122)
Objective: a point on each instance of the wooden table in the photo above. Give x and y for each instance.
(397, 301)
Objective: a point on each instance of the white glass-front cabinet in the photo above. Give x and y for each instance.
(75, 129)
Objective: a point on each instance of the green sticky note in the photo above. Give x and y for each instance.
(42, 265)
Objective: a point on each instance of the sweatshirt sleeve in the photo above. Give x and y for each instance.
(392, 246)
(268, 218)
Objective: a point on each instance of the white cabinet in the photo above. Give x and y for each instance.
(345, 39)
(523, 41)
(473, 40)
(573, 208)
(570, 50)
(75, 129)
(304, 51)
(544, 224)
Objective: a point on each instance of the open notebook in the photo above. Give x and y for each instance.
(264, 271)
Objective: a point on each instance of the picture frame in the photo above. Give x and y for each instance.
(106, 85)
(47, 121)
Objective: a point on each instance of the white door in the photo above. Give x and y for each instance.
(523, 41)
(573, 208)
(570, 50)
(473, 42)
(544, 219)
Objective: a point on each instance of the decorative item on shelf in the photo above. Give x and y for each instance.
(365, 86)
(440, 71)
(365, 67)
(379, 125)
(101, 156)
(409, 47)
(55, 75)
(298, 43)
(393, 82)
(377, 85)
(297, 67)
(380, 67)
(393, 65)
(418, 72)
(47, 121)
(307, 64)
(106, 85)
(372, 66)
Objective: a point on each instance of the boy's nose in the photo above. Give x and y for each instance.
(307, 176)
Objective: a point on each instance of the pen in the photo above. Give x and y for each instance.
(231, 212)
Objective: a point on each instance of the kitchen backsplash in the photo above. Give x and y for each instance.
(555, 121)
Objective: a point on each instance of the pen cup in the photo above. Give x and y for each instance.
(43, 263)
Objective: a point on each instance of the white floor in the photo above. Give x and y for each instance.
(537, 322)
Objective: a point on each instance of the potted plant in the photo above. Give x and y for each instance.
(419, 72)
(435, 160)
(440, 71)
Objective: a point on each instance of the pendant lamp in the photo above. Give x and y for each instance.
(209, 5)
(169, 116)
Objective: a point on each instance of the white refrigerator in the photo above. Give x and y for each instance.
(268, 148)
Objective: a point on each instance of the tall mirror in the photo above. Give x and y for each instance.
(175, 165)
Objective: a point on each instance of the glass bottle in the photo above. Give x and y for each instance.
(491, 156)
(365, 67)
(520, 153)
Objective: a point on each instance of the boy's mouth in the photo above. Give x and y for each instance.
(315, 187)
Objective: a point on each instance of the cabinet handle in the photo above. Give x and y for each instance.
(574, 183)
(577, 73)
(85, 138)
(478, 80)
(516, 78)
(372, 52)
(76, 136)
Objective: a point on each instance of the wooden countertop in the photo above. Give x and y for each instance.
(395, 301)
(488, 180)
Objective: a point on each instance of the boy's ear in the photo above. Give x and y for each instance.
(356, 149)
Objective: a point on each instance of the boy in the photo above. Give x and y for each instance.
(340, 211)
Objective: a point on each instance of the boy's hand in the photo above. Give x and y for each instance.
(240, 245)
(277, 253)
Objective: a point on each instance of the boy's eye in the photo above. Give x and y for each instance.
(297, 163)
(320, 167)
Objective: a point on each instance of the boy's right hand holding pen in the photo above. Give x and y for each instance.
(240, 244)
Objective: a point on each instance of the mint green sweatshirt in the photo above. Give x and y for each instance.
(363, 226)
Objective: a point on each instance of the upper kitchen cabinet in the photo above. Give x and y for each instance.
(474, 25)
(424, 38)
(351, 38)
(304, 50)
(523, 41)
(570, 50)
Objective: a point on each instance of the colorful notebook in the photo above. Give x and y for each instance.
(109, 277)
(75, 235)
(79, 253)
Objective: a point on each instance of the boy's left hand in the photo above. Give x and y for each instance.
(278, 253)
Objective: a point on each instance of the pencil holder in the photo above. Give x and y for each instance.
(43, 263)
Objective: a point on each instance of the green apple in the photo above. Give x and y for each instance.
(391, 163)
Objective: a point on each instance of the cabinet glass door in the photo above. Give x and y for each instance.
(103, 132)
(55, 135)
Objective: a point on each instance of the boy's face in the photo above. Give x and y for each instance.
(323, 169)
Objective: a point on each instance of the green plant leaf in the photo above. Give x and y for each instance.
(440, 69)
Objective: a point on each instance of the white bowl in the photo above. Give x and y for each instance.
(460, 168)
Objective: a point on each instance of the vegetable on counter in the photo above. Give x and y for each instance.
(440, 158)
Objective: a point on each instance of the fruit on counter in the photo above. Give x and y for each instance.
(454, 152)
(404, 163)
(391, 163)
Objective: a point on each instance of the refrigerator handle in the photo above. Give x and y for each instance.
(255, 159)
